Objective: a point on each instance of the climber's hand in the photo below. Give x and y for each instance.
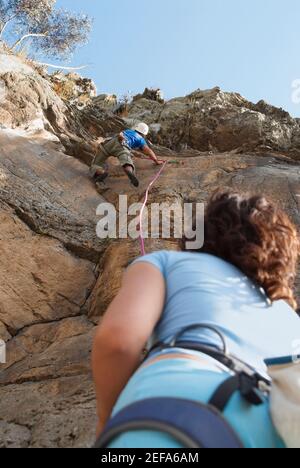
(159, 162)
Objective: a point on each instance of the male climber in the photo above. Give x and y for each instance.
(121, 147)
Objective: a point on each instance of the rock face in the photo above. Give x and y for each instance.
(41, 185)
(30, 102)
(151, 94)
(106, 101)
(213, 120)
(73, 88)
(56, 276)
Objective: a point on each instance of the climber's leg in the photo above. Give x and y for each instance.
(129, 171)
(128, 166)
(99, 168)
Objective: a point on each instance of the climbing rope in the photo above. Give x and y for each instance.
(141, 236)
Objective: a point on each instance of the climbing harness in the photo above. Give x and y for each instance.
(141, 235)
(194, 424)
(251, 384)
(165, 415)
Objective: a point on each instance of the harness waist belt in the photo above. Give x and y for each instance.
(192, 424)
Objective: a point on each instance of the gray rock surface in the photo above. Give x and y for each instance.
(56, 276)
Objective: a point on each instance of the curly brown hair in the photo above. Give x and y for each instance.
(256, 236)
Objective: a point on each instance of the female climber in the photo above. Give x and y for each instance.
(237, 291)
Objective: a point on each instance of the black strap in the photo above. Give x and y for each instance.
(191, 346)
(224, 393)
(214, 353)
(243, 383)
(198, 326)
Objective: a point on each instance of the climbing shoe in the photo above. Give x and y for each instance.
(132, 177)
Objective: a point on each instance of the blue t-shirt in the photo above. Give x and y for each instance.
(201, 288)
(134, 140)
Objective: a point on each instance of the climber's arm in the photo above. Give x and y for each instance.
(149, 152)
(121, 137)
(123, 334)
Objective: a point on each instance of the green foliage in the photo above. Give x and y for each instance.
(52, 32)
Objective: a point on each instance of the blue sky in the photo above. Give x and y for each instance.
(248, 46)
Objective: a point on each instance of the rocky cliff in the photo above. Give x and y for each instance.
(57, 277)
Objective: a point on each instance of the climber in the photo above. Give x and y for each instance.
(234, 298)
(121, 147)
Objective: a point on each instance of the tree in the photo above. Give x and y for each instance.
(53, 32)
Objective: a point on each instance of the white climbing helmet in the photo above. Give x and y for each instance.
(141, 128)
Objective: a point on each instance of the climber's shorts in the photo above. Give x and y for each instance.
(111, 148)
(190, 380)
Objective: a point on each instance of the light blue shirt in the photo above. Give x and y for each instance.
(201, 288)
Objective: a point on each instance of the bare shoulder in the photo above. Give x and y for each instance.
(143, 271)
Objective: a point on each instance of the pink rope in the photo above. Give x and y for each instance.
(141, 237)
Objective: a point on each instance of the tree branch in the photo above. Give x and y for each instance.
(26, 37)
(60, 67)
(5, 25)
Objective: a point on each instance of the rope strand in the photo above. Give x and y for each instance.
(141, 237)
